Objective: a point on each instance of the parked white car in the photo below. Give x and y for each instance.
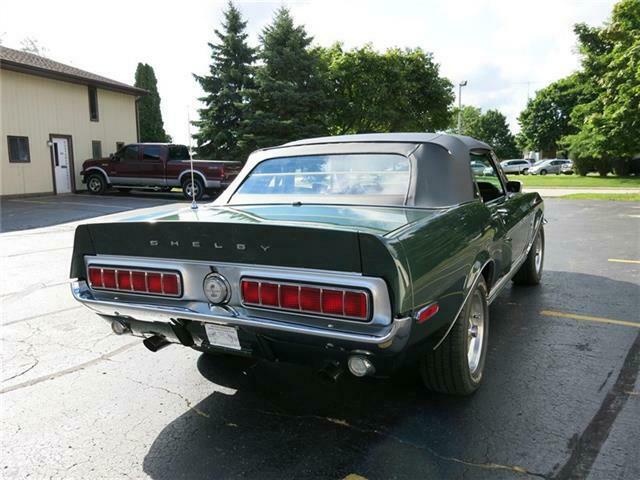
(516, 165)
(552, 165)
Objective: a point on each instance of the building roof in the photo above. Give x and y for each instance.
(442, 139)
(24, 62)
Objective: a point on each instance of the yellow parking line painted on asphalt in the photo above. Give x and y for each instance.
(620, 260)
(588, 318)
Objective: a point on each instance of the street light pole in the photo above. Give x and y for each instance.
(460, 85)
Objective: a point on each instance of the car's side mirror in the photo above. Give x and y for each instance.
(113, 158)
(514, 186)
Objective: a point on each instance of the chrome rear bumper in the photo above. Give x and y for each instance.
(393, 338)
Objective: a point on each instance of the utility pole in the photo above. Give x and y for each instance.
(460, 85)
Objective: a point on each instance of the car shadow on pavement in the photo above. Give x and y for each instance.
(542, 393)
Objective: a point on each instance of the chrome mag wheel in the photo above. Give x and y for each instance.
(95, 184)
(538, 253)
(475, 334)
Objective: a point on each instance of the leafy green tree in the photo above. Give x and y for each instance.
(490, 127)
(149, 114)
(398, 90)
(495, 131)
(546, 119)
(609, 124)
(288, 101)
(470, 121)
(225, 88)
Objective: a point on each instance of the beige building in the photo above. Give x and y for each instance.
(52, 118)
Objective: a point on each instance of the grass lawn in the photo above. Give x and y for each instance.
(569, 181)
(618, 197)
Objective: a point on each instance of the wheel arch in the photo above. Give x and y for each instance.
(93, 170)
(482, 267)
(196, 173)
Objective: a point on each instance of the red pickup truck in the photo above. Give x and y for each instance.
(157, 166)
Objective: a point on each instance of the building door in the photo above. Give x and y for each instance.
(61, 164)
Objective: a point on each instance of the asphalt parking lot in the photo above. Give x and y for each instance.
(561, 398)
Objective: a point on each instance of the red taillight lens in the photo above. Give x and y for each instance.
(310, 299)
(289, 297)
(124, 279)
(95, 277)
(138, 281)
(355, 304)
(332, 302)
(108, 278)
(251, 292)
(154, 282)
(170, 284)
(269, 294)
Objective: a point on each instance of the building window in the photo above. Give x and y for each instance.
(96, 149)
(18, 149)
(93, 104)
(119, 145)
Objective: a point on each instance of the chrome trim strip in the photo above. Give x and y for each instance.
(201, 312)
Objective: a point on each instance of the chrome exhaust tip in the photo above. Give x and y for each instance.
(119, 327)
(360, 366)
(156, 342)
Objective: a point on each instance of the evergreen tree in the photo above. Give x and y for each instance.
(149, 114)
(288, 101)
(225, 100)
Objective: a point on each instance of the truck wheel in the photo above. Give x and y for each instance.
(530, 272)
(96, 184)
(189, 189)
(457, 365)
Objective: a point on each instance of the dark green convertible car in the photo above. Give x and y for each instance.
(358, 253)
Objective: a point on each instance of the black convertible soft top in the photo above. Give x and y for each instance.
(441, 172)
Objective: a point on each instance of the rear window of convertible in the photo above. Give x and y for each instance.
(354, 178)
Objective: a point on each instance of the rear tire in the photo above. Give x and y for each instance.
(197, 186)
(96, 184)
(456, 367)
(530, 272)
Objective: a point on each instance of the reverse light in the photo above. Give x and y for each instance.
(140, 281)
(332, 301)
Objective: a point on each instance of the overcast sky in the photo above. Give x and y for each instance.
(504, 48)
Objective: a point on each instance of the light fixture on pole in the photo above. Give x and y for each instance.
(460, 85)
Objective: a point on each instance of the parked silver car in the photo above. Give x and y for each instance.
(552, 165)
(516, 165)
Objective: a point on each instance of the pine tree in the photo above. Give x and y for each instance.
(289, 100)
(225, 100)
(149, 114)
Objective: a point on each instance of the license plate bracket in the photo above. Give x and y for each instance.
(222, 336)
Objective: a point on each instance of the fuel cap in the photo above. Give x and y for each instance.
(216, 288)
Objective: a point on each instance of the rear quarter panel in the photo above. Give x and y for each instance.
(442, 256)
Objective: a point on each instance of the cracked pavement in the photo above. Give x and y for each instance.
(561, 398)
